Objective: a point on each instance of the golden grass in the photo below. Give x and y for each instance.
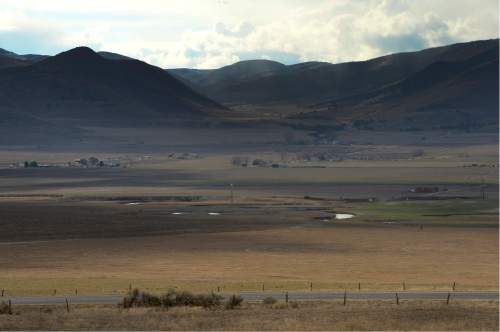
(356, 315)
(283, 258)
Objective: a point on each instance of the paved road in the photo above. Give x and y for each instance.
(258, 296)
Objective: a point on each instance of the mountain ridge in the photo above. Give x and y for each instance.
(81, 85)
(326, 80)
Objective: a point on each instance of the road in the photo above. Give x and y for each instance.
(258, 296)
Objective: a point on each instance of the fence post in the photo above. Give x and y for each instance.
(311, 286)
(67, 305)
(55, 292)
(76, 291)
(345, 297)
(397, 299)
(448, 298)
(286, 297)
(453, 287)
(359, 286)
(263, 288)
(10, 307)
(404, 286)
(3, 291)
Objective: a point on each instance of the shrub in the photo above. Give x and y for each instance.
(30, 164)
(240, 161)
(93, 161)
(5, 309)
(171, 299)
(208, 301)
(269, 300)
(259, 163)
(149, 300)
(184, 298)
(234, 301)
(131, 299)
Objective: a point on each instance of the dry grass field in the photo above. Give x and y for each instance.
(162, 223)
(356, 315)
(103, 247)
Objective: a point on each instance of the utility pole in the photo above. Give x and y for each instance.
(232, 195)
(483, 193)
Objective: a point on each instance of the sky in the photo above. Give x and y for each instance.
(212, 33)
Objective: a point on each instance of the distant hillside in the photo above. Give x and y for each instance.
(312, 82)
(83, 87)
(216, 81)
(22, 57)
(7, 62)
(457, 83)
(444, 95)
(450, 87)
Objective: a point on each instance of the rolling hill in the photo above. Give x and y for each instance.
(443, 95)
(29, 58)
(311, 82)
(450, 87)
(79, 86)
(440, 87)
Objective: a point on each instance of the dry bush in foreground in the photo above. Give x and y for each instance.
(234, 301)
(5, 309)
(172, 298)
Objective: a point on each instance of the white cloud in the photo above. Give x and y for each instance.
(208, 34)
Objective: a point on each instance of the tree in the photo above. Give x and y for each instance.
(33, 164)
(93, 161)
(240, 161)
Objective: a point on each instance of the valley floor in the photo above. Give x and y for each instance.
(164, 222)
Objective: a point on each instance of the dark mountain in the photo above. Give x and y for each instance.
(113, 56)
(31, 58)
(454, 94)
(214, 82)
(312, 82)
(7, 62)
(80, 86)
(453, 86)
(11, 59)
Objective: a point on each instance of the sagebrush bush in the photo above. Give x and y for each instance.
(234, 301)
(207, 301)
(171, 299)
(5, 309)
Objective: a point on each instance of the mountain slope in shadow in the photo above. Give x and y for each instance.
(445, 94)
(80, 85)
(313, 82)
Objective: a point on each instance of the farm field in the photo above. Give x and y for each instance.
(162, 222)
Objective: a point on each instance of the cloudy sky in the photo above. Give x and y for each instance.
(213, 33)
